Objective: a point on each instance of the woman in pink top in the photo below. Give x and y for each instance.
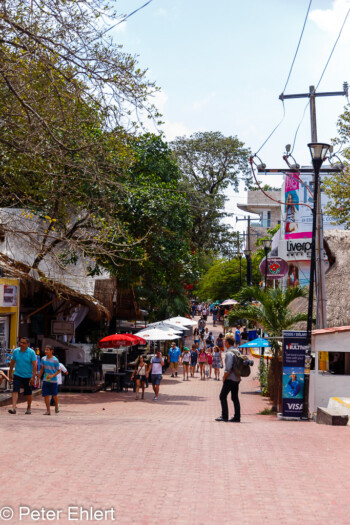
(202, 362)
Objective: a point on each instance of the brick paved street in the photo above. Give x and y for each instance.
(170, 462)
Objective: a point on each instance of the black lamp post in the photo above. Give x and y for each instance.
(247, 253)
(267, 247)
(318, 153)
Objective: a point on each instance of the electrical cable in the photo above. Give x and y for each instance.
(321, 77)
(288, 77)
(126, 17)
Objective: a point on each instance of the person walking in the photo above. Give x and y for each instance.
(202, 359)
(237, 337)
(196, 336)
(244, 338)
(63, 370)
(139, 375)
(209, 361)
(215, 315)
(194, 359)
(230, 383)
(50, 368)
(217, 362)
(156, 371)
(186, 356)
(174, 356)
(24, 360)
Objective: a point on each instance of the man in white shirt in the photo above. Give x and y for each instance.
(156, 369)
(63, 370)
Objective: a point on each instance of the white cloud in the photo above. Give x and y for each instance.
(175, 129)
(200, 104)
(331, 20)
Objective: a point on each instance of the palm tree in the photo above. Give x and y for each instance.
(273, 312)
(274, 315)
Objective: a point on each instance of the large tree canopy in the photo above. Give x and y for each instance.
(209, 163)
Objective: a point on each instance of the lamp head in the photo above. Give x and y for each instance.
(318, 151)
(267, 244)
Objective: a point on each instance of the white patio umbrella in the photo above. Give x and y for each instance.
(155, 334)
(229, 302)
(181, 320)
(165, 325)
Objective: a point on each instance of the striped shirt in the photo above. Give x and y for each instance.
(50, 367)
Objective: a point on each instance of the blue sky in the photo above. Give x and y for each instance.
(222, 65)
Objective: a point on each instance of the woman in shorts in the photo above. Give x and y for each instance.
(139, 375)
(217, 362)
(194, 359)
(209, 360)
(186, 362)
(202, 358)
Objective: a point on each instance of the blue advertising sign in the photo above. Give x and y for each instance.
(294, 348)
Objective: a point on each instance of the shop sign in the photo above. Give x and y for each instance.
(8, 295)
(62, 328)
(277, 268)
(294, 350)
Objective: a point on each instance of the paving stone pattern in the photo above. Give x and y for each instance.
(169, 462)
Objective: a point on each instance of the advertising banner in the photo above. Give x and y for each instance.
(294, 349)
(277, 268)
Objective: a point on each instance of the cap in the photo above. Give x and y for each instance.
(186, 348)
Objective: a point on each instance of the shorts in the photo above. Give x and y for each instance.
(186, 363)
(156, 379)
(174, 365)
(193, 363)
(19, 382)
(141, 378)
(49, 389)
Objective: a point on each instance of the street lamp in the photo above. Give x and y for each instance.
(318, 153)
(267, 247)
(247, 253)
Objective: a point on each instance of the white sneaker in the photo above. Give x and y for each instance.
(155, 399)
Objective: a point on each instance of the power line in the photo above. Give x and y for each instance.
(321, 77)
(126, 17)
(288, 77)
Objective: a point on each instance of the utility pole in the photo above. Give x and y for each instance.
(321, 299)
(248, 250)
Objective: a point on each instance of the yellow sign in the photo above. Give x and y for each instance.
(323, 361)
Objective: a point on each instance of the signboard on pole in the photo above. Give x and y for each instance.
(277, 268)
(294, 349)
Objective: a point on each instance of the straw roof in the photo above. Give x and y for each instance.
(337, 247)
(32, 281)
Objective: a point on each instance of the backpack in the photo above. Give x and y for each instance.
(243, 364)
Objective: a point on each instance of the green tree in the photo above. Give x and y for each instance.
(157, 212)
(338, 185)
(209, 163)
(223, 279)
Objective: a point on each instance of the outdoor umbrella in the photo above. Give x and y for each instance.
(256, 343)
(117, 340)
(165, 325)
(229, 302)
(184, 321)
(155, 334)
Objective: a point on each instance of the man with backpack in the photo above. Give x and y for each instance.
(231, 381)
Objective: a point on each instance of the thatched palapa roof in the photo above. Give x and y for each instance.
(32, 281)
(337, 246)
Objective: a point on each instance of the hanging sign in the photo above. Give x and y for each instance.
(294, 349)
(277, 268)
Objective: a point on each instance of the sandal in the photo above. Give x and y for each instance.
(28, 411)
(11, 411)
(57, 409)
(46, 414)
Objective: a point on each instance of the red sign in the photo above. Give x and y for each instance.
(277, 268)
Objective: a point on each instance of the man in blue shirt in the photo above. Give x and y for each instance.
(24, 361)
(174, 355)
(50, 368)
